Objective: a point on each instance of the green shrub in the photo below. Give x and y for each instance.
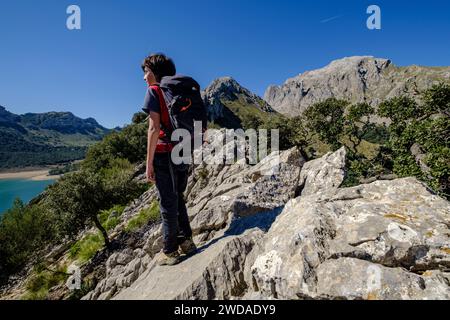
(84, 249)
(78, 198)
(151, 214)
(111, 218)
(42, 281)
(326, 118)
(118, 184)
(358, 167)
(23, 230)
(130, 143)
(425, 126)
(108, 220)
(378, 134)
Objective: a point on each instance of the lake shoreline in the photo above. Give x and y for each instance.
(34, 175)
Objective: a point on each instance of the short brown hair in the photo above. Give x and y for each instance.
(160, 64)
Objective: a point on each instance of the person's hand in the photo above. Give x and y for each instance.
(150, 173)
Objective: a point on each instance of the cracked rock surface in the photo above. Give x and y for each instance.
(384, 240)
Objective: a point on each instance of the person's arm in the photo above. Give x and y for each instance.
(152, 140)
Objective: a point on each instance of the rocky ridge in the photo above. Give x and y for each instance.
(293, 234)
(356, 79)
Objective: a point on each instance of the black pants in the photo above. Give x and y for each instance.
(171, 182)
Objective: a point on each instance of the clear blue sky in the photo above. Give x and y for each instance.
(94, 72)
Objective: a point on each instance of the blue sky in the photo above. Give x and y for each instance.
(95, 71)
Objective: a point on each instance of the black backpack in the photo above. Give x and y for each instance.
(184, 102)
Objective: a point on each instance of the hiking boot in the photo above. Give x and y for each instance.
(169, 259)
(188, 247)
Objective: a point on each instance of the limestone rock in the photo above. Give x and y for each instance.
(397, 228)
(327, 172)
(218, 193)
(214, 273)
(349, 278)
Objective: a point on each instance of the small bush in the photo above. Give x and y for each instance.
(84, 249)
(42, 281)
(108, 220)
(151, 214)
(203, 173)
(378, 134)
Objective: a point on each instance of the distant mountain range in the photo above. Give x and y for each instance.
(37, 139)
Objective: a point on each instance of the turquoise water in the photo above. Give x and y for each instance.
(23, 189)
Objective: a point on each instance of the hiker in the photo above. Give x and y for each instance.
(170, 179)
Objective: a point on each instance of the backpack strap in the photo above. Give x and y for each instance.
(166, 126)
(165, 120)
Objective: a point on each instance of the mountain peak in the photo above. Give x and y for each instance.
(224, 84)
(358, 59)
(229, 88)
(227, 102)
(225, 79)
(356, 79)
(349, 64)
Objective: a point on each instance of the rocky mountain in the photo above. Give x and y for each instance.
(228, 103)
(47, 138)
(357, 79)
(288, 235)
